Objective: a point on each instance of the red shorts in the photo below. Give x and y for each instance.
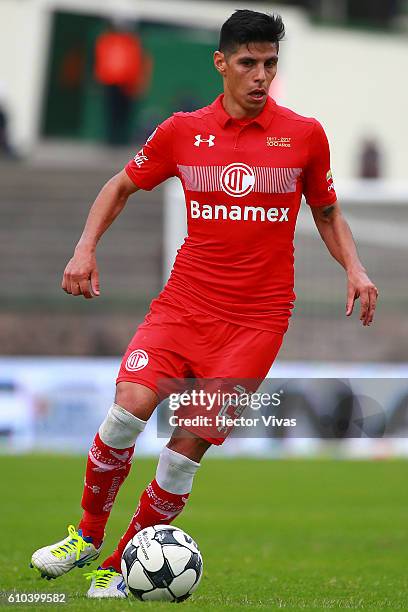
(174, 343)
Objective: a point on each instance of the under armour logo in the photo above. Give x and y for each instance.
(209, 141)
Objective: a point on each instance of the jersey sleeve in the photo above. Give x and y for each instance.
(318, 186)
(154, 163)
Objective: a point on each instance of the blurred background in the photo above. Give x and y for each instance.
(82, 84)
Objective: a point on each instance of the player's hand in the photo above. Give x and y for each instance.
(360, 286)
(81, 275)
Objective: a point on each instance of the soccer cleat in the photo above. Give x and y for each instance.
(106, 583)
(61, 557)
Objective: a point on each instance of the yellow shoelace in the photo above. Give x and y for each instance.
(73, 543)
(102, 577)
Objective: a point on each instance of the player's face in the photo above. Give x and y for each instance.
(248, 74)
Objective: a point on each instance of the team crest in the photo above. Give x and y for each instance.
(237, 180)
(137, 360)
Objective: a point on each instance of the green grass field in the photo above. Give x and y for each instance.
(297, 535)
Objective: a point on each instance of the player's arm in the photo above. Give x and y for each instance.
(151, 166)
(336, 234)
(81, 273)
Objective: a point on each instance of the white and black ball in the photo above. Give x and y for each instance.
(162, 563)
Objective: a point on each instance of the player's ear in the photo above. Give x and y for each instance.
(219, 62)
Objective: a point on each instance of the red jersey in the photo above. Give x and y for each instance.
(243, 183)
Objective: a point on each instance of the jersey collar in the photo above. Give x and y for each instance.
(263, 119)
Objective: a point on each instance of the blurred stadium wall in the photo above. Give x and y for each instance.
(346, 73)
(350, 78)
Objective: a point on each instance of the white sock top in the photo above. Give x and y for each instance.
(120, 428)
(175, 472)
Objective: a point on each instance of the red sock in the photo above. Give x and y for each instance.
(106, 470)
(155, 506)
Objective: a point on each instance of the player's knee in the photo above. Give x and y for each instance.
(189, 445)
(175, 472)
(120, 428)
(136, 399)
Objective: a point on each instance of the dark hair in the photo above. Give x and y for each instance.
(244, 27)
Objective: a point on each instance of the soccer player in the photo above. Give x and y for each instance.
(244, 163)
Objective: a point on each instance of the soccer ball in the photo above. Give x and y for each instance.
(162, 563)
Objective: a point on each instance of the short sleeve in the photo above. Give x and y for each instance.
(154, 163)
(318, 186)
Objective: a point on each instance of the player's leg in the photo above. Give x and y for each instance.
(157, 352)
(108, 464)
(166, 495)
(110, 457)
(161, 502)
